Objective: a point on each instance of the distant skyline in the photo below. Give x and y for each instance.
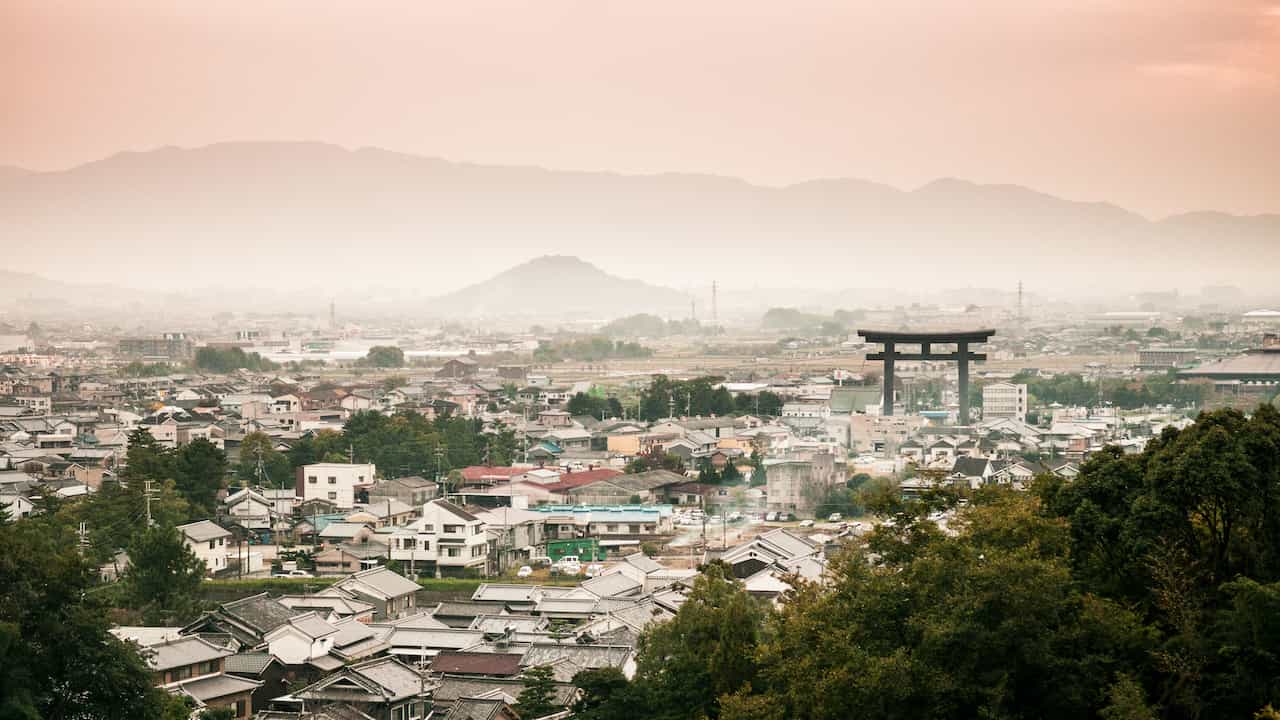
(1159, 106)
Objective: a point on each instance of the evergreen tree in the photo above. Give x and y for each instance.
(538, 698)
(164, 576)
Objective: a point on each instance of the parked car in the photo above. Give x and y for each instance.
(806, 523)
(540, 561)
(771, 517)
(594, 569)
(835, 517)
(293, 574)
(524, 571)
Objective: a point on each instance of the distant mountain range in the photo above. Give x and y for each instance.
(304, 215)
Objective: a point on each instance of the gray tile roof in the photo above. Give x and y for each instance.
(218, 686)
(379, 582)
(203, 531)
(261, 612)
(183, 651)
(248, 663)
(588, 656)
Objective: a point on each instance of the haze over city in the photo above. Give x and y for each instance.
(318, 127)
(650, 360)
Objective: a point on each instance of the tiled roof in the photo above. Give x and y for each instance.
(218, 686)
(183, 651)
(379, 581)
(248, 663)
(260, 612)
(470, 663)
(203, 530)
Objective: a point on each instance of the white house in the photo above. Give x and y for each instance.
(301, 639)
(208, 542)
(335, 482)
(446, 538)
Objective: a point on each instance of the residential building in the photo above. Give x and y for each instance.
(446, 540)
(335, 482)
(391, 594)
(209, 542)
(194, 667)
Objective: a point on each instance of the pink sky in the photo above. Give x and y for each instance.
(1158, 105)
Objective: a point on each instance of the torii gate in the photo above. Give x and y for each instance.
(962, 339)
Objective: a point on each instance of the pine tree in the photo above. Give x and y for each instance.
(537, 699)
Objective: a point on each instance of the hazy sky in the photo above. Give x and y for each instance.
(1158, 105)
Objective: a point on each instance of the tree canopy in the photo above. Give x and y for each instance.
(1147, 587)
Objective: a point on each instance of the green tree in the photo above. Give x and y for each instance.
(164, 576)
(257, 450)
(707, 650)
(226, 360)
(57, 659)
(200, 471)
(145, 458)
(384, 356)
(986, 624)
(606, 695)
(538, 698)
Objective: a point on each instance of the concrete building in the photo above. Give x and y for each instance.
(1158, 358)
(798, 483)
(1004, 400)
(335, 482)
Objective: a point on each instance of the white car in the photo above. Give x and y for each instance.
(594, 569)
(835, 517)
(806, 523)
(293, 574)
(524, 571)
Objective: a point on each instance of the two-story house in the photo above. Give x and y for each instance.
(209, 542)
(446, 540)
(301, 639)
(194, 667)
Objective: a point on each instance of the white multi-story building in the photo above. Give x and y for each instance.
(1004, 400)
(446, 540)
(335, 482)
(209, 542)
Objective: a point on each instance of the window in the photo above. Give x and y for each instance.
(477, 530)
(452, 529)
(181, 673)
(397, 713)
(333, 480)
(426, 545)
(333, 496)
(211, 544)
(452, 552)
(408, 543)
(477, 550)
(311, 479)
(612, 528)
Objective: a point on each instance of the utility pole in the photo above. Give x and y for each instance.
(83, 533)
(146, 490)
